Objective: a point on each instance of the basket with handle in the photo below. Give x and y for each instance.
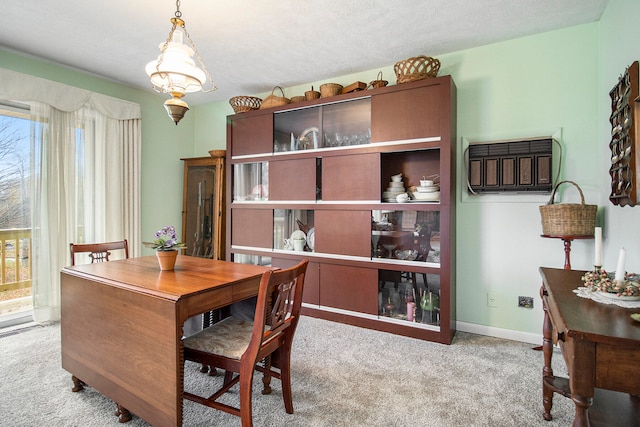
(312, 94)
(273, 100)
(568, 219)
(378, 82)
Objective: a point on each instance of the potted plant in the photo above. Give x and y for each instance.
(166, 245)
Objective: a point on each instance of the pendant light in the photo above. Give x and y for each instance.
(175, 72)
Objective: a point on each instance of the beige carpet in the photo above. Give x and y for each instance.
(342, 375)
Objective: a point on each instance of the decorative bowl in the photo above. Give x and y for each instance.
(407, 254)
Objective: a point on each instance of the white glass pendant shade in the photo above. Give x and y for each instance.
(175, 71)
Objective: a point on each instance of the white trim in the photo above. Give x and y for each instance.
(508, 334)
(345, 147)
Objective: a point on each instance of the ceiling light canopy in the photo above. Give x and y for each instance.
(175, 72)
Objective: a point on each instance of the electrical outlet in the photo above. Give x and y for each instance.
(526, 302)
(492, 299)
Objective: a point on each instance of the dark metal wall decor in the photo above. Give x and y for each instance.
(625, 159)
(512, 166)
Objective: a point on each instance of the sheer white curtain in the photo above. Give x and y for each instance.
(85, 176)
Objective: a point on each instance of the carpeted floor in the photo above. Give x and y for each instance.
(342, 375)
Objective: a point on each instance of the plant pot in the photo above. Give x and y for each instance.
(167, 259)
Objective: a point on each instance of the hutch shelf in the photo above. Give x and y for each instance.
(312, 180)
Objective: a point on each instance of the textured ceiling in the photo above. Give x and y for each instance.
(251, 45)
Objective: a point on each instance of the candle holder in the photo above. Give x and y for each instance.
(597, 268)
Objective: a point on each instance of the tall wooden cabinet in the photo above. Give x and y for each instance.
(322, 170)
(203, 208)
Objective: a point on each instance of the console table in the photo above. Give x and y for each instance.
(601, 347)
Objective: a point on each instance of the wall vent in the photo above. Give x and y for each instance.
(511, 166)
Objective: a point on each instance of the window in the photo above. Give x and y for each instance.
(15, 217)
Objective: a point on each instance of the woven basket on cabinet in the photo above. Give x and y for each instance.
(242, 104)
(274, 100)
(416, 68)
(330, 89)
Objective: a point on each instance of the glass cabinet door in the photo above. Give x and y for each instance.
(293, 229)
(334, 125)
(203, 206)
(251, 182)
(297, 130)
(406, 235)
(410, 296)
(347, 123)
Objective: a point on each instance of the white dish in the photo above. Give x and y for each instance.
(311, 238)
(396, 178)
(431, 197)
(394, 184)
(610, 295)
(427, 189)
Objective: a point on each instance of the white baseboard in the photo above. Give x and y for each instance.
(508, 334)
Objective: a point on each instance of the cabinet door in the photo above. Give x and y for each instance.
(292, 179)
(251, 135)
(349, 288)
(352, 177)
(343, 232)
(406, 114)
(252, 227)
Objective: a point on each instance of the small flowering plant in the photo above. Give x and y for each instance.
(165, 240)
(601, 281)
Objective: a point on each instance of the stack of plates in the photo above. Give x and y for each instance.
(396, 186)
(427, 193)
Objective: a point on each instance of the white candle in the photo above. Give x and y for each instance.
(620, 267)
(598, 255)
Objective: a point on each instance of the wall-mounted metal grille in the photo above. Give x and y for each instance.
(521, 166)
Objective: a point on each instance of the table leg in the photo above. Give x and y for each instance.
(124, 416)
(547, 349)
(582, 403)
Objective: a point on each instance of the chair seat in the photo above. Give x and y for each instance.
(229, 338)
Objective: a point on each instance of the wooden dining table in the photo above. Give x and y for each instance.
(122, 326)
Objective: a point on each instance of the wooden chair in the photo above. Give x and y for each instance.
(98, 252)
(240, 347)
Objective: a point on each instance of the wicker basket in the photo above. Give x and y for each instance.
(297, 99)
(242, 104)
(330, 89)
(416, 68)
(312, 94)
(568, 219)
(378, 82)
(273, 100)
